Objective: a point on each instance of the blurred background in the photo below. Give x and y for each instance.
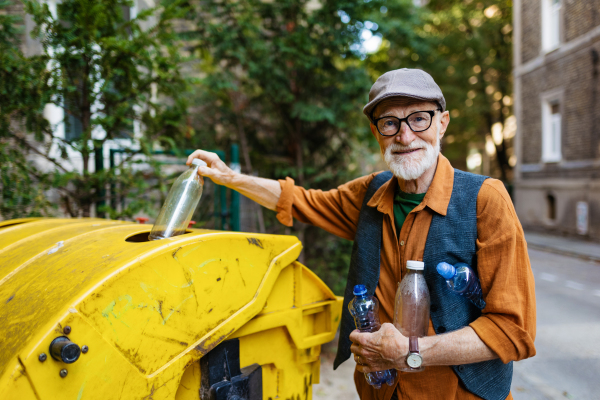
(101, 101)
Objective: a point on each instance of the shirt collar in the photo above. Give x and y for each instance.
(437, 197)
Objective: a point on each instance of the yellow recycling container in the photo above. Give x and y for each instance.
(91, 309)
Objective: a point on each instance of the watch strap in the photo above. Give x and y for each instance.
(413, 344)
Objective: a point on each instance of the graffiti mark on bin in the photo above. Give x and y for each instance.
(176, 309)
(55, 248)
(255, 242)
(175, 253)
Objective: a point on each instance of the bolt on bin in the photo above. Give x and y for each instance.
(93, 310)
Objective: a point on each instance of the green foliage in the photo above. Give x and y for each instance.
(22, 187)
(23, 94)
(110, 73)
(287, 77)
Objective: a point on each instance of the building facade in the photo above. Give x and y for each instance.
(557, 105)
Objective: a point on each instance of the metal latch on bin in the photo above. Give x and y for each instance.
(223, 379)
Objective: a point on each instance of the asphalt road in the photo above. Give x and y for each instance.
(567, 364)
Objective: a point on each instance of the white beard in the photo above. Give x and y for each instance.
(411, 166)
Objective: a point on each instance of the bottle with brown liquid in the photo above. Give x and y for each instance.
(411, 309)
(179, 206)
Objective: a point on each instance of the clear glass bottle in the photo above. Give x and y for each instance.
(179, 206)
(411, 309)
(365, 311)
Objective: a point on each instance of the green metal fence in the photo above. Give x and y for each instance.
(227, 216)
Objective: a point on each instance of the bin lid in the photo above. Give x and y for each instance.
(194, 289)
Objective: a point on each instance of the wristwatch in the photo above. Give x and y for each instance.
(414, 359)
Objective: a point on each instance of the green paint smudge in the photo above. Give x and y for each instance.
(81, 391)
(208, 261)
(109, 309)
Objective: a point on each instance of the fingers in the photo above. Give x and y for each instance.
(359, 358)
(364, 353)
(205, 156)
(359, 337)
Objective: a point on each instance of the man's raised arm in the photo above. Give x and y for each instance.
(265, 192)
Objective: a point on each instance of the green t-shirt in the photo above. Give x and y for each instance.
(404, 203)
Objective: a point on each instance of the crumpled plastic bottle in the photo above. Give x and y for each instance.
(365, 311)
(461, 279)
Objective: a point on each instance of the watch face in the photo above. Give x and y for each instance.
(414, 360)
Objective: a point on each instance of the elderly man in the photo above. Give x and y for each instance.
(427, 211)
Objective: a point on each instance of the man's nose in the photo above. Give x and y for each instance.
(406, 135)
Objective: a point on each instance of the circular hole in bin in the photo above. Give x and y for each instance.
(143, 237)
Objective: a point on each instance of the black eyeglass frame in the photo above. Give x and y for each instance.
(430, 112)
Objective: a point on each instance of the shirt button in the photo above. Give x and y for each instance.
(402, 243)
(441, 329)
(461, 368)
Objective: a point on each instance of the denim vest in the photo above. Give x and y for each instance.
(452, 238)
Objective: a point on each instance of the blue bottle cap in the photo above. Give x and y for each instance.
(360, 290)
(446, 270)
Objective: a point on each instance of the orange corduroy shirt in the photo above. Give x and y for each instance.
(507, 324)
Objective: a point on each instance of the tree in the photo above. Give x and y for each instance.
(23, 94)
(109, 73)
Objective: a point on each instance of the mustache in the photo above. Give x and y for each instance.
(415, 144)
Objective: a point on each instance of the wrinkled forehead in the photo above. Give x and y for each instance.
(402, 106)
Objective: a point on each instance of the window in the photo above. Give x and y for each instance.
(551, 207)
(73, 126)
(551, 131)
(550, 24)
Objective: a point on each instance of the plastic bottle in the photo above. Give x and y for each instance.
(365, 311)
(462, 280)
(180, 204)
(411, 309)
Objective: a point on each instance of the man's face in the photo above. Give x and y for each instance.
(409, 154)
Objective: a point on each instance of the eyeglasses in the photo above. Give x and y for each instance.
(418, 121)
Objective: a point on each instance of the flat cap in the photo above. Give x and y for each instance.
(404, 82)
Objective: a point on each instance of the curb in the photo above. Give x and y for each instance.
(554, 250)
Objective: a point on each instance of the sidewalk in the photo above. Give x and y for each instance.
(568, 246)
(335, 385)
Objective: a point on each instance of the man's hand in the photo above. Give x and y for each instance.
(217, 170)
(385, 349)
(265, 192)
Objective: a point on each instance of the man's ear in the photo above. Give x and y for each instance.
(444, 120)
(374, 131)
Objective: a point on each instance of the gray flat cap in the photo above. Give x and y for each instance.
(404, 82)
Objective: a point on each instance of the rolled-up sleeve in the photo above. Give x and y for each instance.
(286, 199)
(507, 324)
(335, 211)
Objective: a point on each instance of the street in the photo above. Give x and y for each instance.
(568, 337)
(568, 331)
